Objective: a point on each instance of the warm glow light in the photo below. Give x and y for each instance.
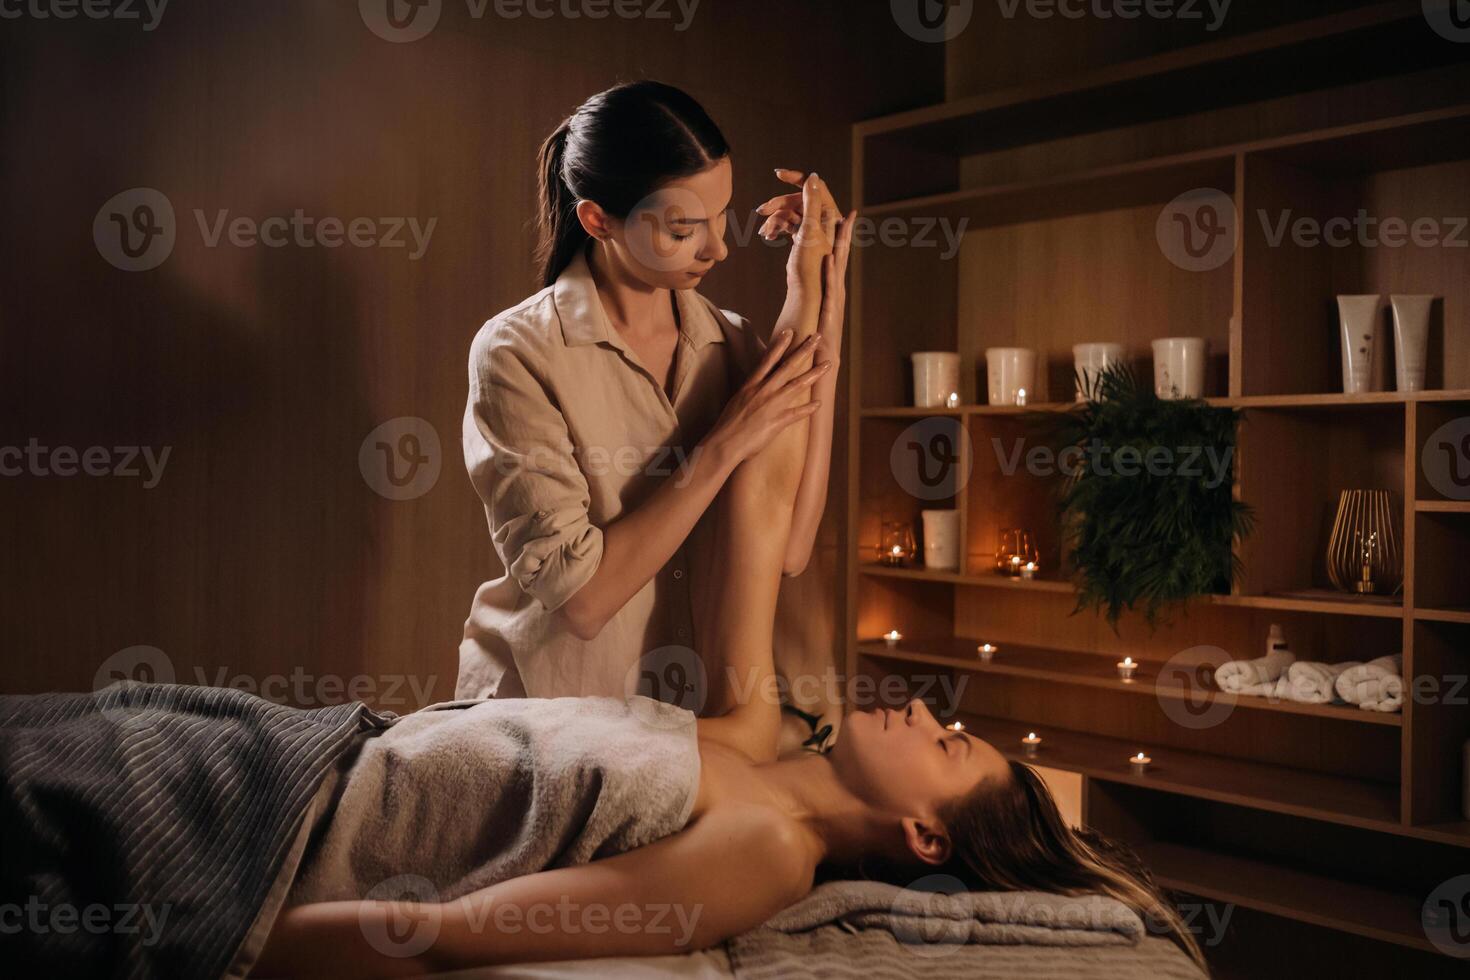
(958, 726)
(892, 637)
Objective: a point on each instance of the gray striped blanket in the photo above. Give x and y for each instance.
(142, 827)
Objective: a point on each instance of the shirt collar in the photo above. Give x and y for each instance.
(583, 320)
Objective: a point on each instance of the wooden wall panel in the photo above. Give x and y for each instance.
(263, 551)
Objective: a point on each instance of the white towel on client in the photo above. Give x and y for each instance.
(1375, 685)
(1260, 676)
(1316, 683)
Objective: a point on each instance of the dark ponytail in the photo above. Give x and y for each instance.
(616, 149)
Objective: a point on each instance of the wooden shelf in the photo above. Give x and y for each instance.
(1456, 834)
(1443, 615)
(1343, 606)
(1442, 506)
(1099, 671)
(907, 412)
(1188, 79)
(957, 578)
(1300, 895)
(1104, 188)
(1278, 789)
(1372, 399)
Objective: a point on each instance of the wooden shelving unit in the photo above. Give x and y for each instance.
(1069, 667)
(1060, 186)
(1377, 913)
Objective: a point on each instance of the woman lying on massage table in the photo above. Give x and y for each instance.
(898, 789)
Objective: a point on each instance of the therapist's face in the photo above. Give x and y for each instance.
(676, 235)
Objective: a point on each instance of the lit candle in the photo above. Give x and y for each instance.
(1140, 763)
(958, 726)
(1015, 564)
(892, 637)
(987, 651)
(1021, 396)
(953, 401)
(1028, 570)
(1126, 667)
(1032, 742)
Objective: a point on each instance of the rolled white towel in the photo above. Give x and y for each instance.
(1315, 683)
(1277, 690)
(1375, 685)
(1236, 676)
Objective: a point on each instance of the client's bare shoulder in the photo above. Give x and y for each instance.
(733, 798)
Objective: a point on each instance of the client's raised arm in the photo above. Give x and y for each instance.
(753, 516)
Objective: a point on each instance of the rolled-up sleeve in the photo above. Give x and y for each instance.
(522, 462)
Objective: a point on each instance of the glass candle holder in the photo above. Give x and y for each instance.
(1015, 550)
(897, 545)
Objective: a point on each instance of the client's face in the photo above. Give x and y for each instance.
(903, 761)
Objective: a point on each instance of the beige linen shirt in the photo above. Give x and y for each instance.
(564, 432)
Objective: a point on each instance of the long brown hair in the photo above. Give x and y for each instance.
(1008, 835)
(616, 149)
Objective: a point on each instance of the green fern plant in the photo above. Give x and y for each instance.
(1152, 539)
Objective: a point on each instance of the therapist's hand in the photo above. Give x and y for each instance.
(770, 401)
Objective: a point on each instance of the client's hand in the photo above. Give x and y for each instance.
(812, 220)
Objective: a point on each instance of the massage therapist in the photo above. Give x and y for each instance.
(606, 411)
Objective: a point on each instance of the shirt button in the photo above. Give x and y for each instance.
(678, 573)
